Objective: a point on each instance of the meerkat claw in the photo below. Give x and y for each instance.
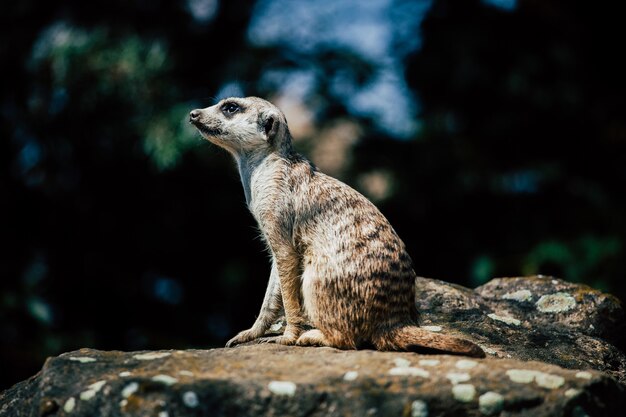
(242, 337)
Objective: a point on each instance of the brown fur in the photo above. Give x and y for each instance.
(336, 261)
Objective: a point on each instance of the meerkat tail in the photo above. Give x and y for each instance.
(413, 338)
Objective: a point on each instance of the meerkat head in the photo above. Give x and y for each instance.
(242, 125)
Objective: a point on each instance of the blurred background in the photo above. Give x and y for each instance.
(491, 133)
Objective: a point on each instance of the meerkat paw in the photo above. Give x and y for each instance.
(288, 338)
(313, 337)
(266, 339)
(244, 337)
(279, 340)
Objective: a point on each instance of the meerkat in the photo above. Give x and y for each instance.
(337, 264)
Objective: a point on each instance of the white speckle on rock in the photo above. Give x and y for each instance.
(520, 295)
(82, 359)
(190, 399)
(401, 363)
(410, 371)
(549, 381)
(488, 350)
(456, 377)
(276, 326)
(419, 408)
(123, 403)
(526, 376)
(466, 364)
(432, 328)
(185, 373)
(429, 362)
(584, 375)
(490, 403)
(504, 319)
(151, 356)
(282, 388)
(92, 390)
(521, 376)
(69, 405)
(124, 374)
(130, 389)
(97, 386)
(350, 376)
(165, 379)
(163, 414)
(464, 392)
(556, 303)
(572, 392)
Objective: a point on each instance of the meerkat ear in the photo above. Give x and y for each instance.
(270, 124)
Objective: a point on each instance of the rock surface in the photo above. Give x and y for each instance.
(532, 318)
(528, 326)
(277, 380)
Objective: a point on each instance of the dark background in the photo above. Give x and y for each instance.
(492, 134)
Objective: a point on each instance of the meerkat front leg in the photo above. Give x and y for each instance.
(270, 311)
(288, 265)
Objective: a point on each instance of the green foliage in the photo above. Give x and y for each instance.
(578, 259)
(168, 135)
(106, 65)
(96, 66)
(482, 270)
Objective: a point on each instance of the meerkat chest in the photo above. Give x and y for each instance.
(268, 197)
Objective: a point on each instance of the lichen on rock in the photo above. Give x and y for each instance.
(556, 303)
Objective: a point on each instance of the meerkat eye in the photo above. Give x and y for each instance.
(230, 108)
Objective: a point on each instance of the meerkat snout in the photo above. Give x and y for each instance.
(194, 115)
(207, 123)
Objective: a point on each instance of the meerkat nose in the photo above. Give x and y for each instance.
(194, 115)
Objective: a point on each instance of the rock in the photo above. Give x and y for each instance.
(532, 318)
(267, 379)
(552, 350)
(575, 306)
